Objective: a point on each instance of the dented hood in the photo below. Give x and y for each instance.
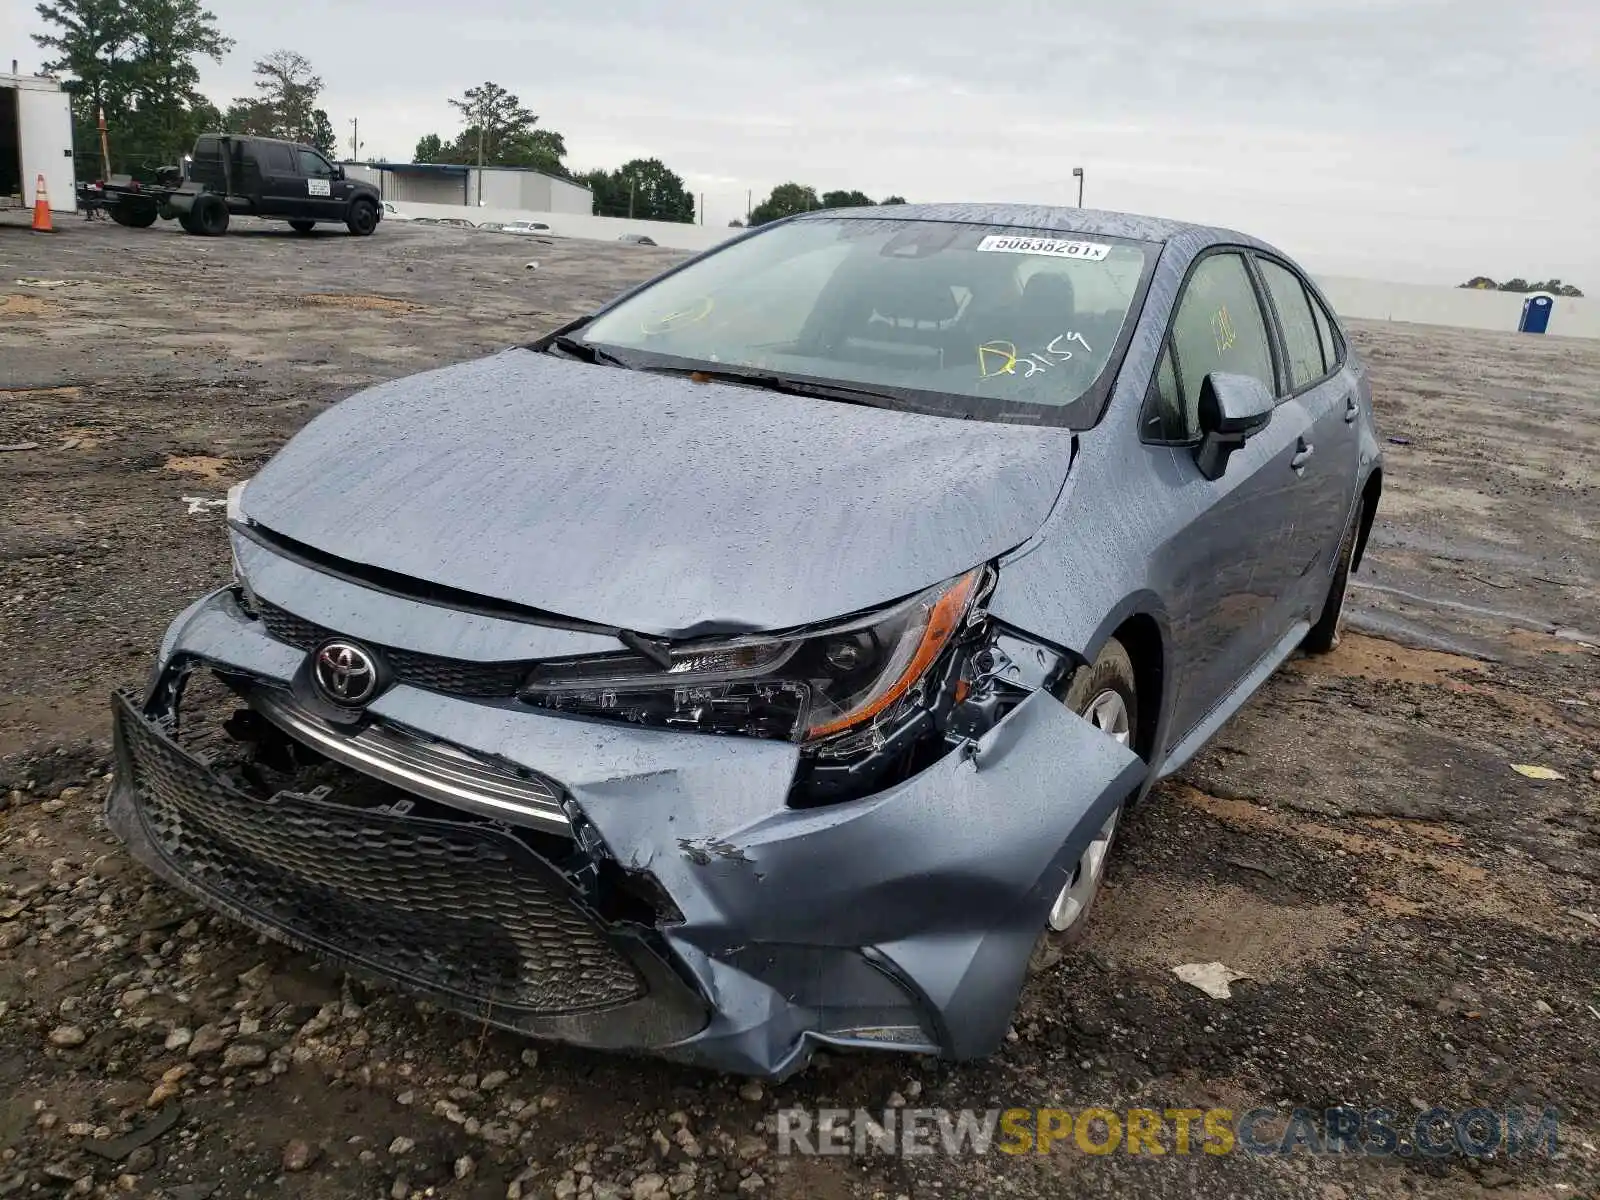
(650, 502)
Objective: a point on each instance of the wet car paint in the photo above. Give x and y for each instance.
(914, 906)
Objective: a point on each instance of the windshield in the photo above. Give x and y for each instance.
(978, 321)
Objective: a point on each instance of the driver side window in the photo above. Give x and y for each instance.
(1217, 326)
(313, 165)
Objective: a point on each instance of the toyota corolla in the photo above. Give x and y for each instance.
(764, 661)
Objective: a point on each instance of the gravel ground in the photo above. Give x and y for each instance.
(1416, 921)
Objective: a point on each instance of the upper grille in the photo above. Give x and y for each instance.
(463, 909)
(434, 672)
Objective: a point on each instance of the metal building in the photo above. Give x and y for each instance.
(35, 140)
(493, 187)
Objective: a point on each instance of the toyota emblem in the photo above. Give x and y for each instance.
(345, 673)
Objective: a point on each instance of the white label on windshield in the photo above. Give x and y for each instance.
(1055, 247)
(317, 187)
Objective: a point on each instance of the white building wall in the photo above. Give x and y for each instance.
(1363, 299)
(1466, 308)
(570, 198)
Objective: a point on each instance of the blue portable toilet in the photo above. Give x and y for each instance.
(1536, 314)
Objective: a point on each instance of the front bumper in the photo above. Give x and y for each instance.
(901, 920)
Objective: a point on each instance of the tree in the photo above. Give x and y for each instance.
(429, 149)
(494, 117)
(846, 200)
(285, 103)
(893, 200)
(1514, 285)
(135, 61)
(1480, 283)
(786, 200)
(736, 224)
(642, 188)
(322, 135)
(508, 139)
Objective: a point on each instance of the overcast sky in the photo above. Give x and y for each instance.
(1401, 139)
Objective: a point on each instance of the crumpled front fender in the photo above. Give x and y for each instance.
(947, 876)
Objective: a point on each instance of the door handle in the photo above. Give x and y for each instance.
(1298, 462)
(1351, 409)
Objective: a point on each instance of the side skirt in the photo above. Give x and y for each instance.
(1269, 662)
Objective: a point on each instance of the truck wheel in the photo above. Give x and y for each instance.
(363, 217)
(186, 219)
(302, 226)
(134, 218)
(209, 216)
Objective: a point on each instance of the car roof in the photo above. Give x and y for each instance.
(1038, 216)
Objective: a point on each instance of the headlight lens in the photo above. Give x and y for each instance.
(807, 688)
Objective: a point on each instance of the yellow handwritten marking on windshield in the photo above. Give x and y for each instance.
(698, 311)
(1222, 329)
(990, 351)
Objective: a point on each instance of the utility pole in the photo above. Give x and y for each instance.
(630, 199)
(702, 208)
(480, 158)
(748, 195)
(105, 150)
(1078, 173)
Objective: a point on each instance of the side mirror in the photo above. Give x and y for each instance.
(338, 171)
(1233, 409)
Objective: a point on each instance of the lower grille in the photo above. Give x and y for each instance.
(458, 677)
(459, 909)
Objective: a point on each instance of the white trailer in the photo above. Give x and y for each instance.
(35, 140)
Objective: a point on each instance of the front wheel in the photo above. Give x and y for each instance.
(1324, 635)
(1104, 694)
(302, 226)
(363, 218)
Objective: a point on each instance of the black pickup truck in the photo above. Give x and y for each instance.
(254, 176)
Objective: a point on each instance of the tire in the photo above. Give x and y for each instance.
(209, 216)
(1324, 635)
(141, 217)
(1105, 694)
(186, 219)
(363, 217)
(302, 226)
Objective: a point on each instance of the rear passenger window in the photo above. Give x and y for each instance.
(278, 158)
(1300, 337)
(1218, 327)
(1332, 349)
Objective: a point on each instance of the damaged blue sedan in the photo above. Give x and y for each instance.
(764, 661)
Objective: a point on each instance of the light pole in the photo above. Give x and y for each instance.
(1077, 173)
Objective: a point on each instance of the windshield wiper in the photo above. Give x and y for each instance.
(586, 351)
(790, 387)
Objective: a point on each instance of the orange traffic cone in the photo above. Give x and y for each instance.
(41, 208)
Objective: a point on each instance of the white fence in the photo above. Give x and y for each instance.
(1368, 299)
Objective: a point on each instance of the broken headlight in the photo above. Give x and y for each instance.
(805, 688)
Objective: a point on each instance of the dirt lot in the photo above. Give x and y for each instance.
(1417, 920)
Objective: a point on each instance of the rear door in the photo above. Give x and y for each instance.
(283, 188)
(1227, 568)
(1315, 381)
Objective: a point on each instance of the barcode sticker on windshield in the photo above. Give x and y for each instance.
(1056, 247)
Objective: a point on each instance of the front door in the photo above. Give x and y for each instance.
(320, 186)
(1227, 564)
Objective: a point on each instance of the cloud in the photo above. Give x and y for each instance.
(1426, 139)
